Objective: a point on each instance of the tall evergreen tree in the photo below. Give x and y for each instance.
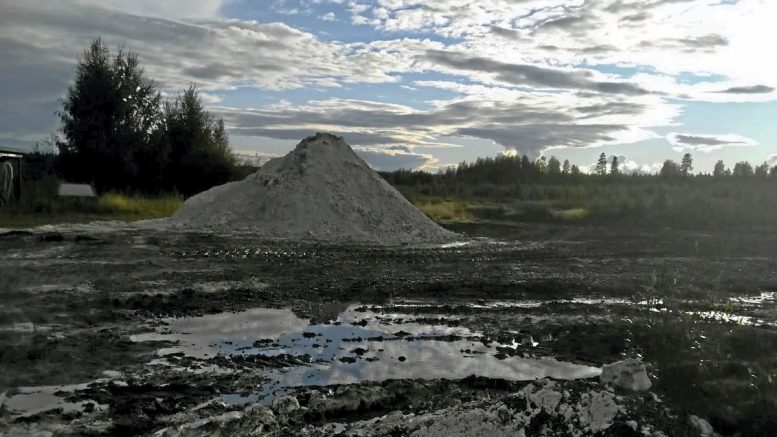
(109, 116)
(199, 154)
(526, 165)
(565, 170)
(554, 166)
(614, 166)
(601, 165)
(686, 166)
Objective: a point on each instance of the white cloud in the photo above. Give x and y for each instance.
(200, 9)
(396, 157)
(529, 74)
(701, 36)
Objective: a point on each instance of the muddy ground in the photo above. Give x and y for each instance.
(140, 332)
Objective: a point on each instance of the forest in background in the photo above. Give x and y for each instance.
(517, 189)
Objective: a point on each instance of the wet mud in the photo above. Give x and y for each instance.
(140, 332)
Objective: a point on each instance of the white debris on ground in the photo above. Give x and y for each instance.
(704, 427)
(627, 375)
(542, 408)
(322, 191)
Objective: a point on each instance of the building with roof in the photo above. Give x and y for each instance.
(11, 168)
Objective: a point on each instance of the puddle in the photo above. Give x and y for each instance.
(33, 400)
(362, 344)
(203, 337)
(528, 303)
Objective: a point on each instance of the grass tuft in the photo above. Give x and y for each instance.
(569, 213)
(139, 208)
(443, 210)
(111, 206)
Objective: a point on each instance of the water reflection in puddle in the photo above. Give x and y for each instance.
(360, 345)
(29, 401)
(203, 337)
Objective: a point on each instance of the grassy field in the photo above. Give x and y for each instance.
(457, 210)
(443, 210)
(111, 206)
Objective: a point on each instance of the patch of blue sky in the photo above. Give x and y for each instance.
(624, 71)
(627, 71)
(469, 149)
(643, 152)
(411, 77)
(751, 120)
(754, 120)
(693, 78)
(314, 18)
(403, 92)
(254, 97)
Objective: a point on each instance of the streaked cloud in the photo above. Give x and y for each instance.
(528, 75)
(707, 143)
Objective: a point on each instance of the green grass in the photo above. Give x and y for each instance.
(443, 210)
(111, 206)
(132, 208)
(569, 213)
(453, 209)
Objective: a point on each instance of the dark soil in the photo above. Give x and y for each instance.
(69, 303)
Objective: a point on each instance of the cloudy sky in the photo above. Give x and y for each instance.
(426, 84)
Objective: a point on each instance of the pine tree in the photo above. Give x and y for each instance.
(565, 170)
(601, 165)
(554, 166)
(686, 166)
(614, 170)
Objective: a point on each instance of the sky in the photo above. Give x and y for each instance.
(426, 84)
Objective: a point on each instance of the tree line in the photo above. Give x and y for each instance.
(518, 188)
(120, 134)
(503, 169)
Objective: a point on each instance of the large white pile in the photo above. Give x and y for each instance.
(321, 190)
